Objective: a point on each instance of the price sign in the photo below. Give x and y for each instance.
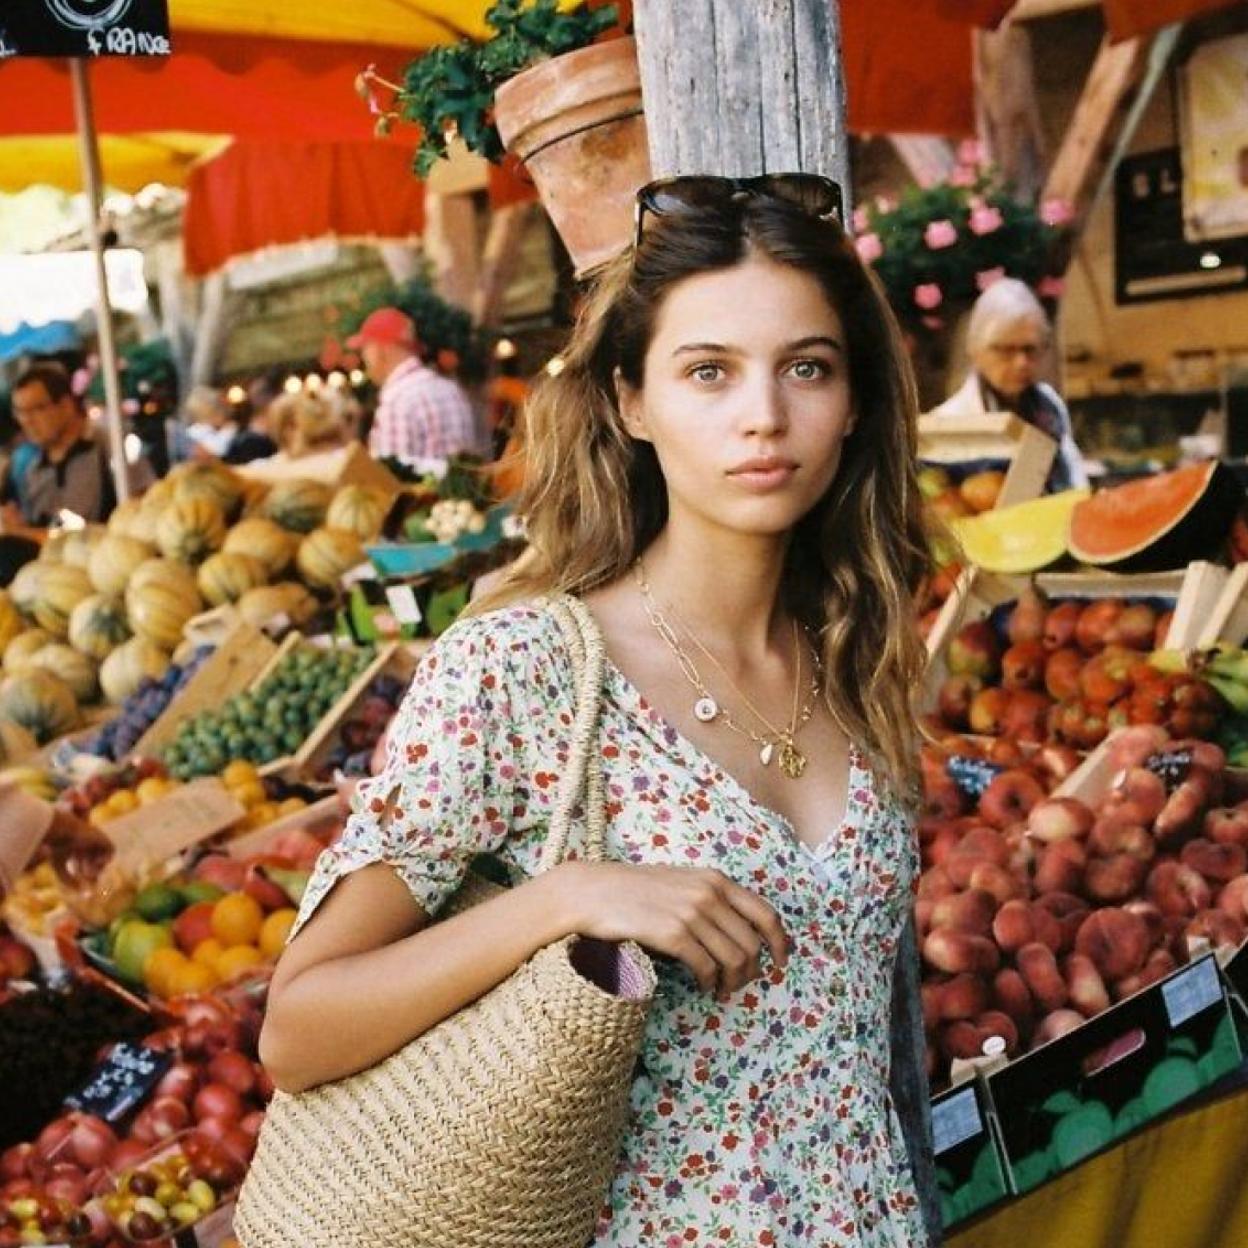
(122, 1082)
(1172, 766)
(956, 1118)
(972, 775)
(84, 28)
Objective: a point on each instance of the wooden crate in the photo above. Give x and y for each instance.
(229, 670)
(1227, 619)
(952, 440)
(348, 465)
(319, 814)
(184, 817)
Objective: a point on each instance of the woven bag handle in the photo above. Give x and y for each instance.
(584, 771)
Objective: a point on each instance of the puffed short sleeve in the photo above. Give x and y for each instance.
(484, 704)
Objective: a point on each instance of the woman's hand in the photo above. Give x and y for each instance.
(715, 927)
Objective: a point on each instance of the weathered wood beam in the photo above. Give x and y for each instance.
(452, 245)
(742, 89)
(928, 157)
(1006, 108)
(498, 261)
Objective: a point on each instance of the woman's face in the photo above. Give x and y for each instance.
(1010, 360)
(746, 396)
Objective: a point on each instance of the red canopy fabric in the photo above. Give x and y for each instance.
(907, 67)
(257, 194)
(1127, 18)
(987, 13)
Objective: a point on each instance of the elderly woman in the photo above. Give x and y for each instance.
(1007, 335)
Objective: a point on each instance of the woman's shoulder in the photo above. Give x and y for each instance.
(521, 637)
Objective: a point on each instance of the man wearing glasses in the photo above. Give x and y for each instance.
(72, 471)
(1007, 337)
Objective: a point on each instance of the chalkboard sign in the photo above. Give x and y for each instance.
(84, 28)
(122, 1082)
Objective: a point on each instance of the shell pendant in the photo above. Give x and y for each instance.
(705, 710)
(766, 753)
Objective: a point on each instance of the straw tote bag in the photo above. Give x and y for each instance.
(499, 1127)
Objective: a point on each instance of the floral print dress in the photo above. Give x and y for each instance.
(765, 1120)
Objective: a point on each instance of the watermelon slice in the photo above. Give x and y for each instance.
(1157, 523)
(1023, 538)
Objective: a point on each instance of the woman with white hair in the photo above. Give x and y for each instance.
(1007, 335)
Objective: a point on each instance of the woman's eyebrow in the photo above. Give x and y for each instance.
(802, 344)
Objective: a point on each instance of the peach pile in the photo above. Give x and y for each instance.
(1071, 672)
(1037, 912)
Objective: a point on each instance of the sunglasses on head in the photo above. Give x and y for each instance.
(668, 197)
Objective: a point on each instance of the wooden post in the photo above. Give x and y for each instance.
(746, 88)
(498, 260)
(452, 247)
(1007, 113)
(929, 158)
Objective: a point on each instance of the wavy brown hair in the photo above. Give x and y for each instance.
(594, 498)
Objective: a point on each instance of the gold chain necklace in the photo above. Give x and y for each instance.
(707, 709)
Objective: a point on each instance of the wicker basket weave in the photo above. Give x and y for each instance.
(498, 1128)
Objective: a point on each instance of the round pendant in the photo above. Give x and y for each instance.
(705, 710)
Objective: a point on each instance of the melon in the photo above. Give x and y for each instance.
(158, 613)
(1157, 523)
(359, 510)
(290, 599)
(42, 703)
(214, 482)
(115, 560)
(263, 539)
(326, 554)
(98, 625)
(61, 588)
(11, 622)
(132, 519)
(78, 544)
(298, 505)
(78, 671)
(19, 652)
(127, 667)
(227, 576)
(1023, 538)
(24, 587)
(171, 574)
(190, 529)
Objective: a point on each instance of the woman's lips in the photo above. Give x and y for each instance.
(763, 474)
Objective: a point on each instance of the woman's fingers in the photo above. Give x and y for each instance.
(762, 918)
(735, 954)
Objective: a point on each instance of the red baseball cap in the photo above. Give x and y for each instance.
(386, 327)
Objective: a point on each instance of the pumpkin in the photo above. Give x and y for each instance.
(24, 587)
(170, 573)
(53, 548)
(115, 560)
(42, 703)
(263, 539)
(254, 494)
(359, 510)
(159, 613)
(190, 529)
(298, 505)
(158, 496)
(258, 606)
(61, 588)
(132, 519)
(326, 554)
(78, 671)
(98, 625)
(1159, 522)
(129, 665)
(214, 482)
(226, 577)
(11, 622)
(79, 543)
(16, 743)
(19, 652)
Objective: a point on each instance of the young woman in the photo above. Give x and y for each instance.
(724, 472)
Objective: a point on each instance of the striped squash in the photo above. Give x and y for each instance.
(42, 703)
(190, 529)
(227, 576)
(124, 670)
(98, 625)
(158, 613)
(115, 560)
(324, 555)
(61, 588)
(359, 510)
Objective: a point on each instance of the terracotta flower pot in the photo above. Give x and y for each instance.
(576, 123)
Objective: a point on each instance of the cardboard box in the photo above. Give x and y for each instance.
(151, 835)
(1088, 1089)
(969, 1167)
(970, 443)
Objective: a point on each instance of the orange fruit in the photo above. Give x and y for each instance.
(240, 771)
(153, 789)
(266, 812)
(237, 959)
(191, 977)
(275, 930)
(160, 968)
(207, 952)
(249, 792)
(122, 802)
(237, 919)
(290, 805)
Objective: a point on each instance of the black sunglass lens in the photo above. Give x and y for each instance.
(809, 192)
(687, 194)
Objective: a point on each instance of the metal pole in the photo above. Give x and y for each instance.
(89, 156)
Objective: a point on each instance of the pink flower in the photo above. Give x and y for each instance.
(1051, 287)
(870, 249)
(861, 220)
(1057, 212)
(130, 407)
(929, 296)
(970, 152)
(963, 175)
(940, 234)
(986, 220)
(885, 203)
(934, 323)
(989, 277)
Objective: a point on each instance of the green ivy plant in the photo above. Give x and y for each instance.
(449, 91)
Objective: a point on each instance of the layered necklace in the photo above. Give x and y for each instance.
(778, 743)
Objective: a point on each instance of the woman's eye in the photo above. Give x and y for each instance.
(809, 370)
(706, 372)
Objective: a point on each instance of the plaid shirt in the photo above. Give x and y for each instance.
(423, 415)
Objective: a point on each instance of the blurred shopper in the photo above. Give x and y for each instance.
(1007, 337)
(211, 426)
(307, 422)
(420, 413)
